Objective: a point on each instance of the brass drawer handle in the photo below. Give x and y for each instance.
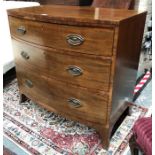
(24, 55)
(75, 39)
(21, 30)
(74, 102)
(28, 83)
(74, 70)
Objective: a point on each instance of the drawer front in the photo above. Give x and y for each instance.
(82, 70)
(94, 41)
(68, 100)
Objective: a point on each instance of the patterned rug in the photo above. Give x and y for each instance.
(41, 132)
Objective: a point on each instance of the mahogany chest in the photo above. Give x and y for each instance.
(80, 62)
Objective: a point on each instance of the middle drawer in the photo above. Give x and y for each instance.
(79, 69)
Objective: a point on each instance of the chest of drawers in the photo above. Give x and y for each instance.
(79, 62)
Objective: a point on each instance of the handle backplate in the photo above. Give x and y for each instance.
(74, 70)
(28, 83)
(74, 39)
(74, 102)
(21, 30)
(24, 55)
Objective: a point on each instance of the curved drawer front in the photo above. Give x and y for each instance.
(82, 70)
(71, 101)
(27, 55)
(79, 39)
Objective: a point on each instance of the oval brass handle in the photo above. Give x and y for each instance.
(21, 30)
(24, 55)
(74, 70)
(74, 39)
(28, 83)
(74, 102)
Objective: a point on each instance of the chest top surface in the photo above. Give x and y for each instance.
(74, 14)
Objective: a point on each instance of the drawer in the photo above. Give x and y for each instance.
(69, 100)
(88, 40)
(79, 69)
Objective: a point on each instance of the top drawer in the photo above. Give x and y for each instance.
(98, 41)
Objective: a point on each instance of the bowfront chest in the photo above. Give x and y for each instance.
(80, 62)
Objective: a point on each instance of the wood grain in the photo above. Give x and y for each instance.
(55, 94)
(127, 60)
(96, 41)
(74, 15)
(95, 69)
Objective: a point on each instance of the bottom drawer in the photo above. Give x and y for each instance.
(73, 102)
